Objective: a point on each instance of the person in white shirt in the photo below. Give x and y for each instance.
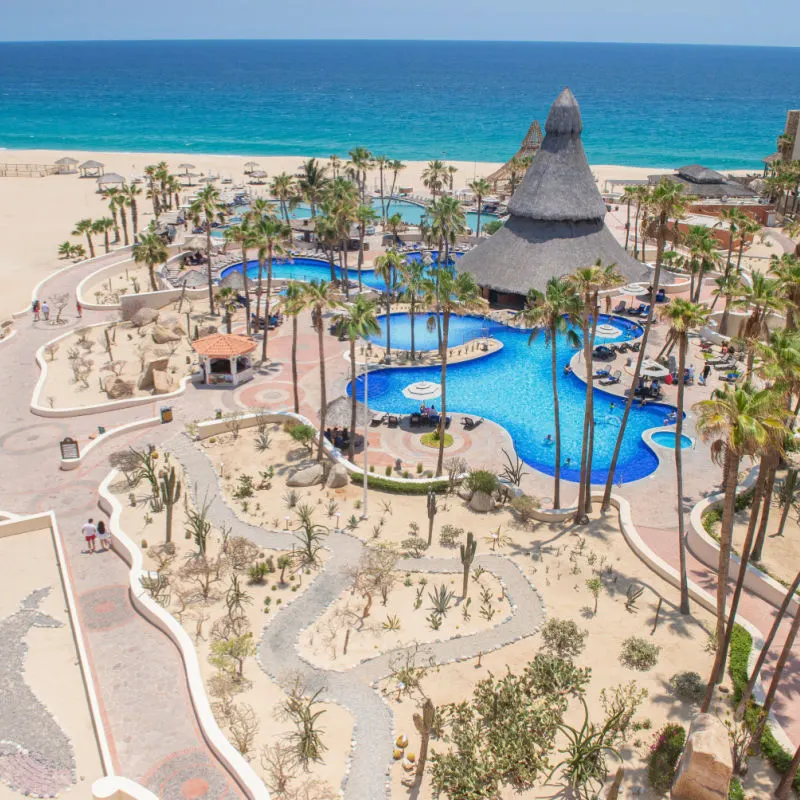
(90, 534)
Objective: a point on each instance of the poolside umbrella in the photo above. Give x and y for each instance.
(195, 242)
(606, 331)
(423, 390)
(652, 369)
(339, 411)
(186, 167)
(635, 289)
(233, 280)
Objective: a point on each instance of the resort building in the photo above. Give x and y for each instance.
(788, 143)
(556, 222)
(705, 183)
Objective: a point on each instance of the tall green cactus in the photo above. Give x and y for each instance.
(424, 724)
(467, 557)
(432, 509)
(170, 495)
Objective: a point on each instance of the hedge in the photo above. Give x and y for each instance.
(438, 485)
(741, 645)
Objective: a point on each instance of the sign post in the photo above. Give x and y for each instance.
(70, 449)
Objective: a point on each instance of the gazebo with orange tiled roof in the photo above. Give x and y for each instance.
(225, 358)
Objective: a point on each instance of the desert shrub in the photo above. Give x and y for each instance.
(481, 480)
(620, 704)
(688, 687)
(664, 755)
(414, 546)
(303, 435)
(259, 571)
(244, 487)
(551, 675)
(525, 507)
(638, 653)
(450, 535)
(563, 638)
(736, 792)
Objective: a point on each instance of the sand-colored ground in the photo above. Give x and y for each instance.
(257, 691)
(107, 288)
(50, 668)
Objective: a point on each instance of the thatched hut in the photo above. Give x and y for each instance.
(556, 221)
(66, 165)
(91, 169)
(528, 149)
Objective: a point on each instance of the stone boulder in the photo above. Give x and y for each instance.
(144, 316)
(162, 382)
(308, 476)
(481, 502)
(156, 365)
(116, 388)
(163, 335)
(706, 765)
(206, 330)
(337, 477)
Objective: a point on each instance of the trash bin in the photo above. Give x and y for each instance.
(166, 414)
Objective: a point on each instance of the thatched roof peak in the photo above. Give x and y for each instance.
(564, 118)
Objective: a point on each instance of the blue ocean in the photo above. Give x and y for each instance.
(648, 105)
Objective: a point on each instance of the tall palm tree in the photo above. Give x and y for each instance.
(726, 287)
(294, 302)
(554, 314)
(517, 167)
(394, 223)
(111, 195)
(733, 219)
(412, 278)
(242, 234)
(382, 163)
(628, 197)
(451, 175)
(312, 183)
(103, 226)
(786, 269)
(85, 227)
(739, 422)
(365, 215)
(760, 297)
(319, 297)
(150, 250)
(396, 167)
(433, 177)
(356, 321)
(683, 316)
(748, 229)
(269, 236)
(703, 257)
(226, 298)
(452, 294)
(335, 164)
(132, 192)
(174, 191)
(360, 163)
(206, 209)
(447, 223)
(667, 202)
(387, 267)
(481, 188)
(122, 202)
(282, 189)
(641, 194)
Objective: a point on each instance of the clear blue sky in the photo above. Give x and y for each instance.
(746, 22)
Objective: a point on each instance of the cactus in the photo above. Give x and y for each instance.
(170, 495)
(424, 725)
(467, 557)
(431, 514)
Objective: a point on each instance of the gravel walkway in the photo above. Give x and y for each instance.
(354, 689)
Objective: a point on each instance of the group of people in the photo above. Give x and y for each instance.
(41, 309)
(93, 533)
(427, 411)
(338, 438)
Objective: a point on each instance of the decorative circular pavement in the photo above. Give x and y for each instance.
(189, 775)
(105, 608)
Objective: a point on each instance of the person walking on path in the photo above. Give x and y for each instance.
(79, 308)
(36, 310)
(104, 536)
(90, 533)
(45, 310)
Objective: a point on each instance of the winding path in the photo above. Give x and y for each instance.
(355, 688)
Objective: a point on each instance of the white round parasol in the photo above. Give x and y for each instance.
(423, 390)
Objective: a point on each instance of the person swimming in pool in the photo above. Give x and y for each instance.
(567, 462)
(548, 439)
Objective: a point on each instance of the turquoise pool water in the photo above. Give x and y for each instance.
(513, 388)
(667, 439)
(464, 329)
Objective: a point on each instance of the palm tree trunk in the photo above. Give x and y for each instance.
(294, 365)
(636, 230)
(208, 269)
(351, 450)
(580, 511)
(151, 269)
(413, 317)
(628, 226)
(769, 485)
(91, 244)
(787, 781)
(478, 221)
(590, 452)
(383, 202)
(113, 209)
(259, 289)
(323, 402)
(791, 480)
(134, 218)
(556, 419)
(105, 241)
(443, 380)
(246, 290)
(731, 471)
(124, 219)
(266, 304)
(388, 326)
(762, 656)
(730, 253)
(361, 233)
(679, 477)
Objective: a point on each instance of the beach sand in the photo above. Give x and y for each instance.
(37, 214)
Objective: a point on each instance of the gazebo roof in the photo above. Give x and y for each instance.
(91, 165)
(556, 221)
(67, 161)
(223, 345)
(110, 177)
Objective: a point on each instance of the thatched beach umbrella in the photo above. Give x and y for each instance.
(196, 241)
(233, 280)
(249, 166)
(111, 179)
(186, 167)
(339, 410)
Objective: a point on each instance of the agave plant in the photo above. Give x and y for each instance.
(441, 599)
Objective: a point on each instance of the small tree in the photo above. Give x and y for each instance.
(304, 435)
(310, 536)
(284, 562)
(243, 728)
(301, 709)
(595, 586)
(230, 654)
(198, 527)
(170, 488)
(467, 557)
(203, 572)
(563, 638)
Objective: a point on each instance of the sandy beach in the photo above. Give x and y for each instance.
(37, 214)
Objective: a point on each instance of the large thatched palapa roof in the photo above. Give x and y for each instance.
(556, 222)
(528, 149)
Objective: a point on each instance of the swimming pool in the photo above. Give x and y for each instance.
(667, 439)
(464, 329)
(512, 387)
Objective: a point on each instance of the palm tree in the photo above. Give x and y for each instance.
(761, 297)
(382, 163)
(294, 302)
(703, 257)
(554, 313)
(365, 215)
(396, 167)
(726, 286)
(84, 227)
(111, 195)
(65, 250)
(206, 209)
(386, 267)
(173, 187)
(641, 194)
(739, 422)
(131, 193)
(243, 236)
(683, 316)
(786, 270)
(733, 218)
(412, 278)
(451, 174)
(226, 297)
(78, 252)
(667, 202)
(282, 189)
(103, 226)
(360, 163)
(356, 322)
(335, 164)
(517, 168)
(452, 294)
(269, 235)
(447, 223)
(150, 250)
(394, 223)
(749, 228)
(319, 297)
(312, 183)
(628, 196)
(433, 177)
(480, 187)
